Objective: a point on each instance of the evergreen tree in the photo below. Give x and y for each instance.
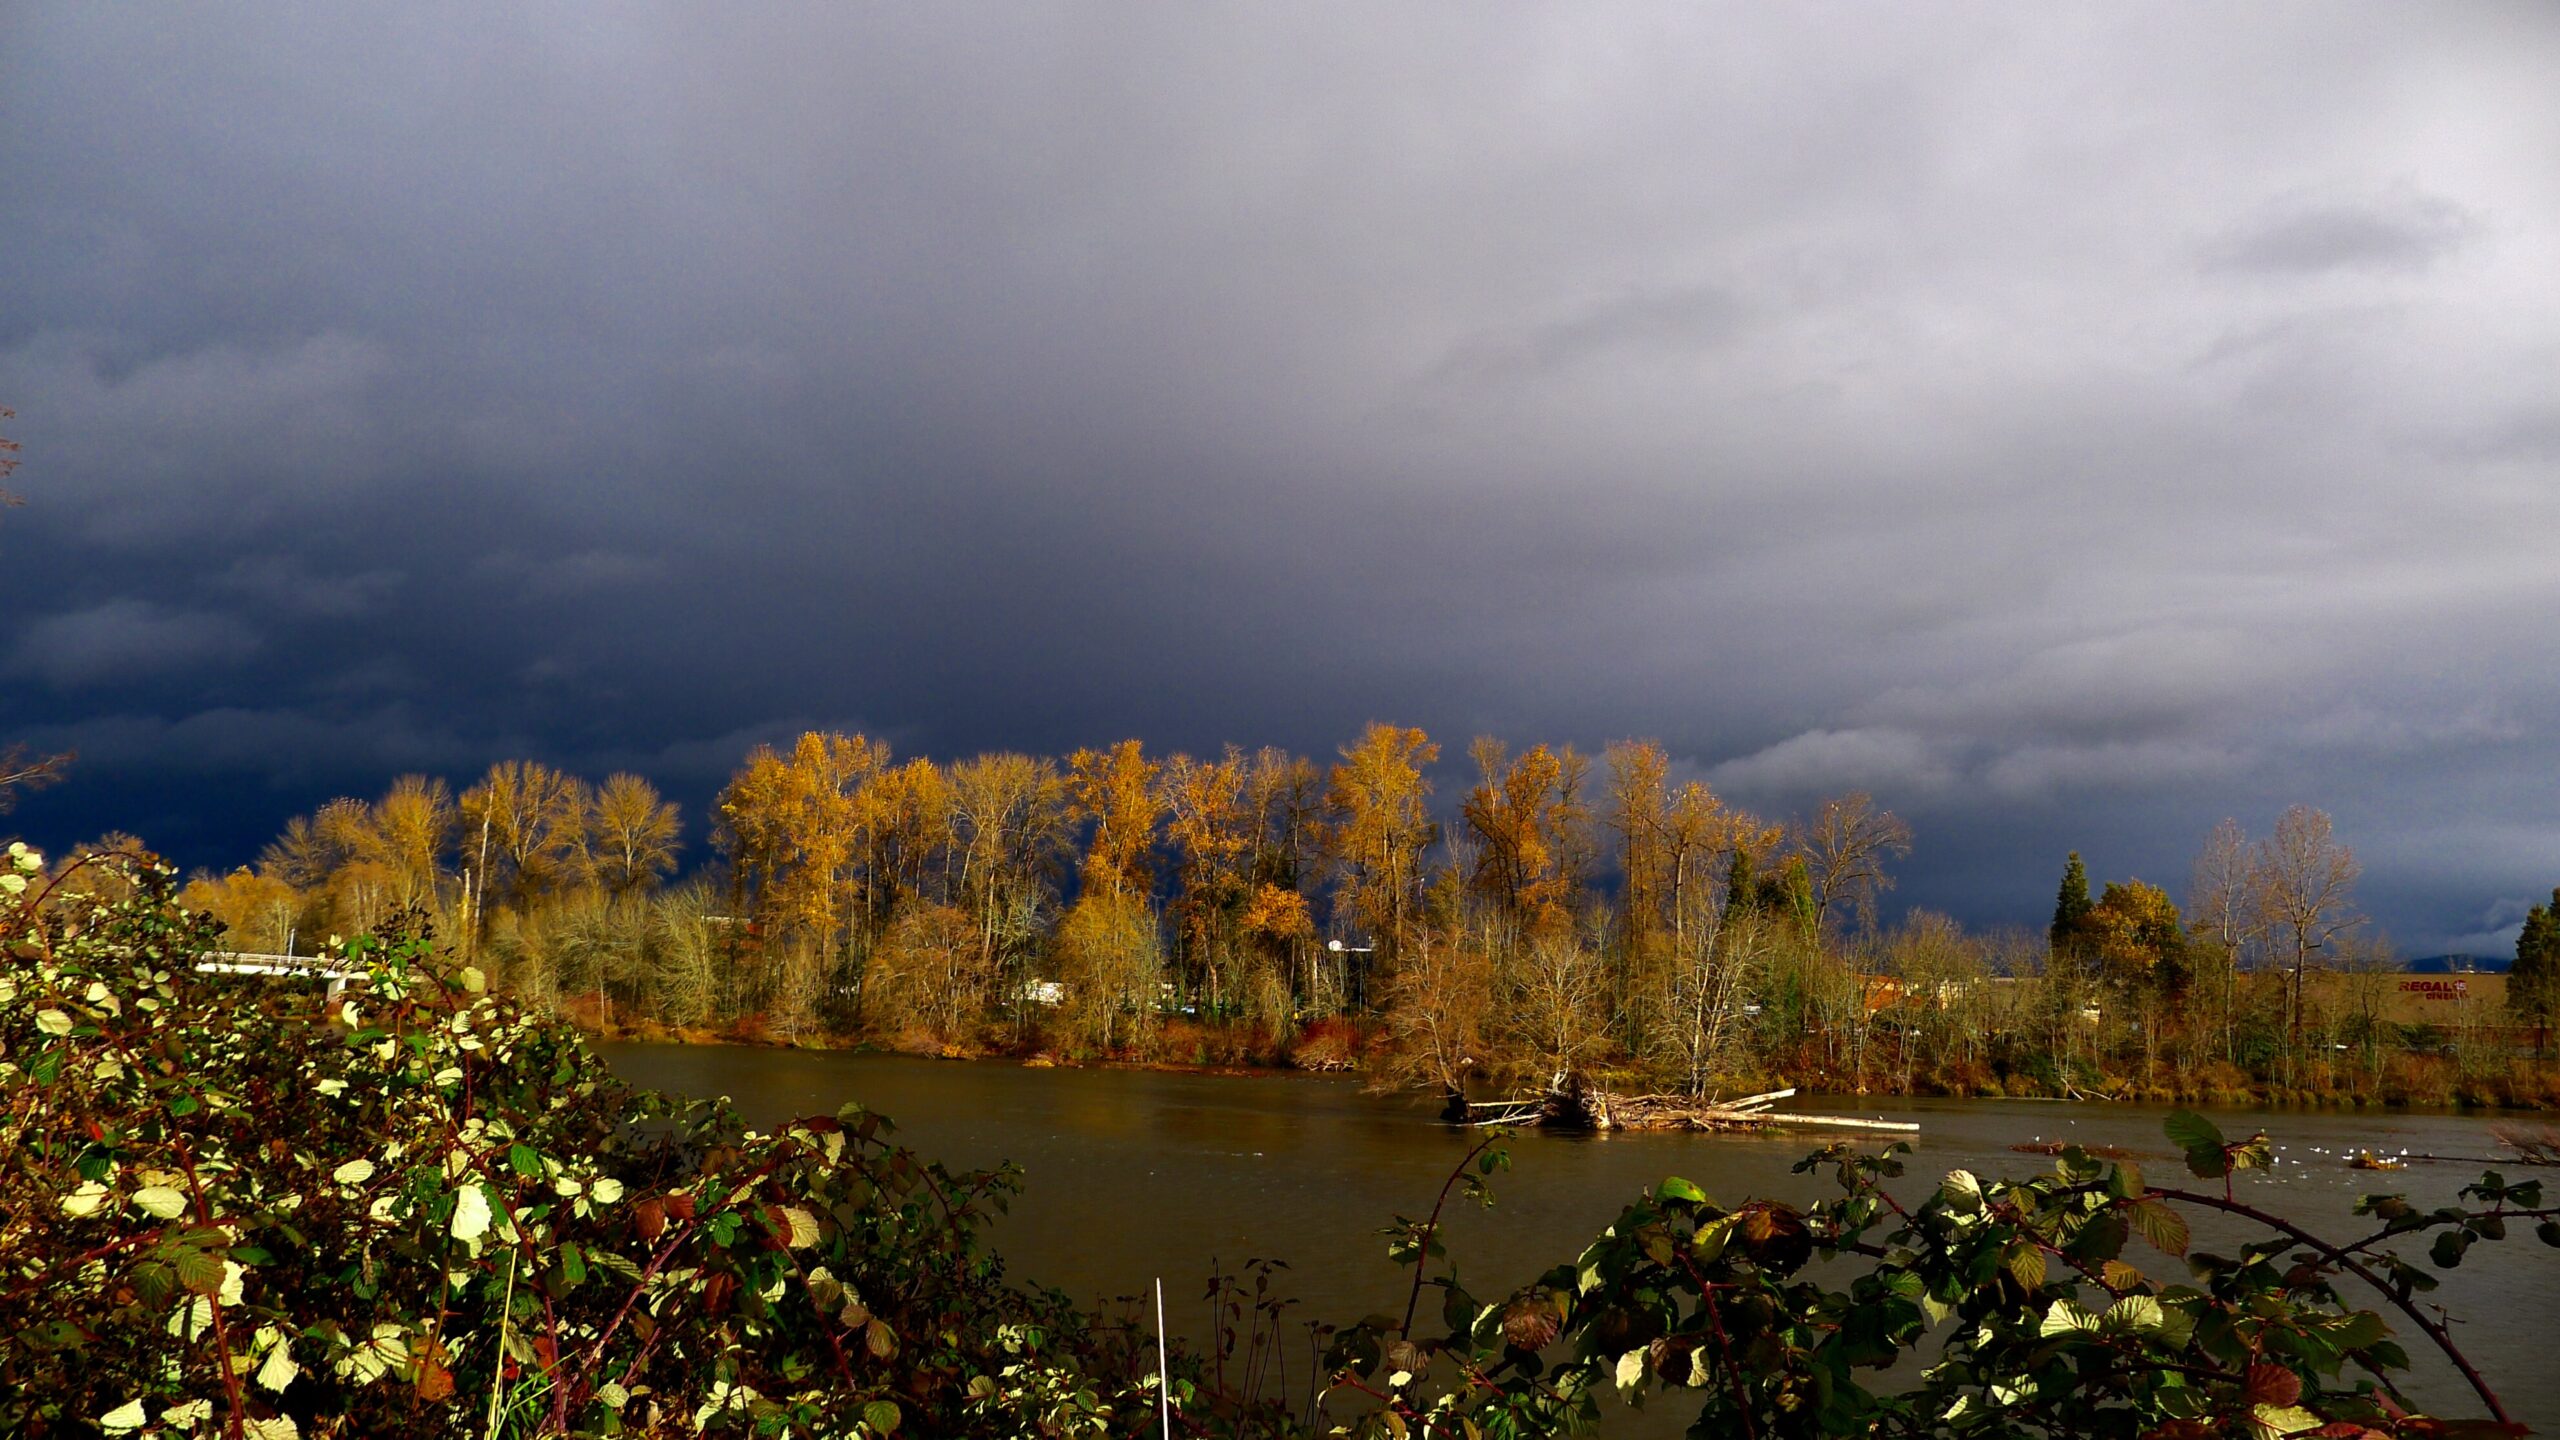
(2533, 986)
(1739, 887)
(2071, 908)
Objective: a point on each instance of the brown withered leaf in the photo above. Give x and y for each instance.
(1529, 1323)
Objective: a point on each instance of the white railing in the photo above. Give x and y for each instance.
(299, 967)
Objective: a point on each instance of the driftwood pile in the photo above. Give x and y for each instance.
(1569, 1105)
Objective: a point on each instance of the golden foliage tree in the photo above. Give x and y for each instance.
(1114, 791)
(1381, 824)
(632, 835)
(524, 830)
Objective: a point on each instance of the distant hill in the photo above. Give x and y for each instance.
(2461, 965)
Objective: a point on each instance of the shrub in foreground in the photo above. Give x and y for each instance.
(229, 1208)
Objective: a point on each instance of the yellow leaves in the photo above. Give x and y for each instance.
(1382, 804)
(2134, 925)
(802, 1227)
(1278, 913)
(1116, 790)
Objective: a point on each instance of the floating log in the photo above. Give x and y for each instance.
(1569, 1106)
(1844, 1122)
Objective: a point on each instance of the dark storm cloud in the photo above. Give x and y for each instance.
(2072, 426)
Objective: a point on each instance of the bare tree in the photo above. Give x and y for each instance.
(8, 459)
(20, 768)
(1439, 1003)
(2222, 907)
(1845, 848)
(2306, 886)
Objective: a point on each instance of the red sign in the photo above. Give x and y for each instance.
(2436, 989)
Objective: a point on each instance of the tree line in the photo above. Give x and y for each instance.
(1570, 916)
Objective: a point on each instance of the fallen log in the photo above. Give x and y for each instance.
(1573, 1107)
(1843, 1122)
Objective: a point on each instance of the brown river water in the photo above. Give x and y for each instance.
(1133, 1175)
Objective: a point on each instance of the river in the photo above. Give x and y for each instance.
(1135, 1174)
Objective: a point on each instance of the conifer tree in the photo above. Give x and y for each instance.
(2533, 987)
(2071, 908)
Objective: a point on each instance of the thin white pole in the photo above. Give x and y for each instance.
(1164, 1368)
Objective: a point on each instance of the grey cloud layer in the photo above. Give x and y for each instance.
(2074, 427)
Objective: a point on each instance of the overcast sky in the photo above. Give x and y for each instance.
(2073, 424)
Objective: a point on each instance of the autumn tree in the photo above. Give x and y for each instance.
(1114, 792)
(258, 912)
(1635, 808)
(791, 829)
(413, 828)
(1379, 801)
(1010, 829)
(524, 831)
(1439, 1007)
(2139, 942)
(1215, 836)
(1530, 832)
(1111, 960)
(904, 819)
(631, 835)
(931, 972)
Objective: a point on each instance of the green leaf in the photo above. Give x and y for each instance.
(882, 1415)
(2359, 1330)
(2134, 1312)
(2064, 1317)
(2126, 1180)
(2101, 1237)
(2026, 1264)
(2447, 1251)
(2190, 1131)
(201, 1273)
(1677, 1189)
(523, 1161)
(2159, 1223)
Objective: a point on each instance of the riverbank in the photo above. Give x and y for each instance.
(1342, 1046)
